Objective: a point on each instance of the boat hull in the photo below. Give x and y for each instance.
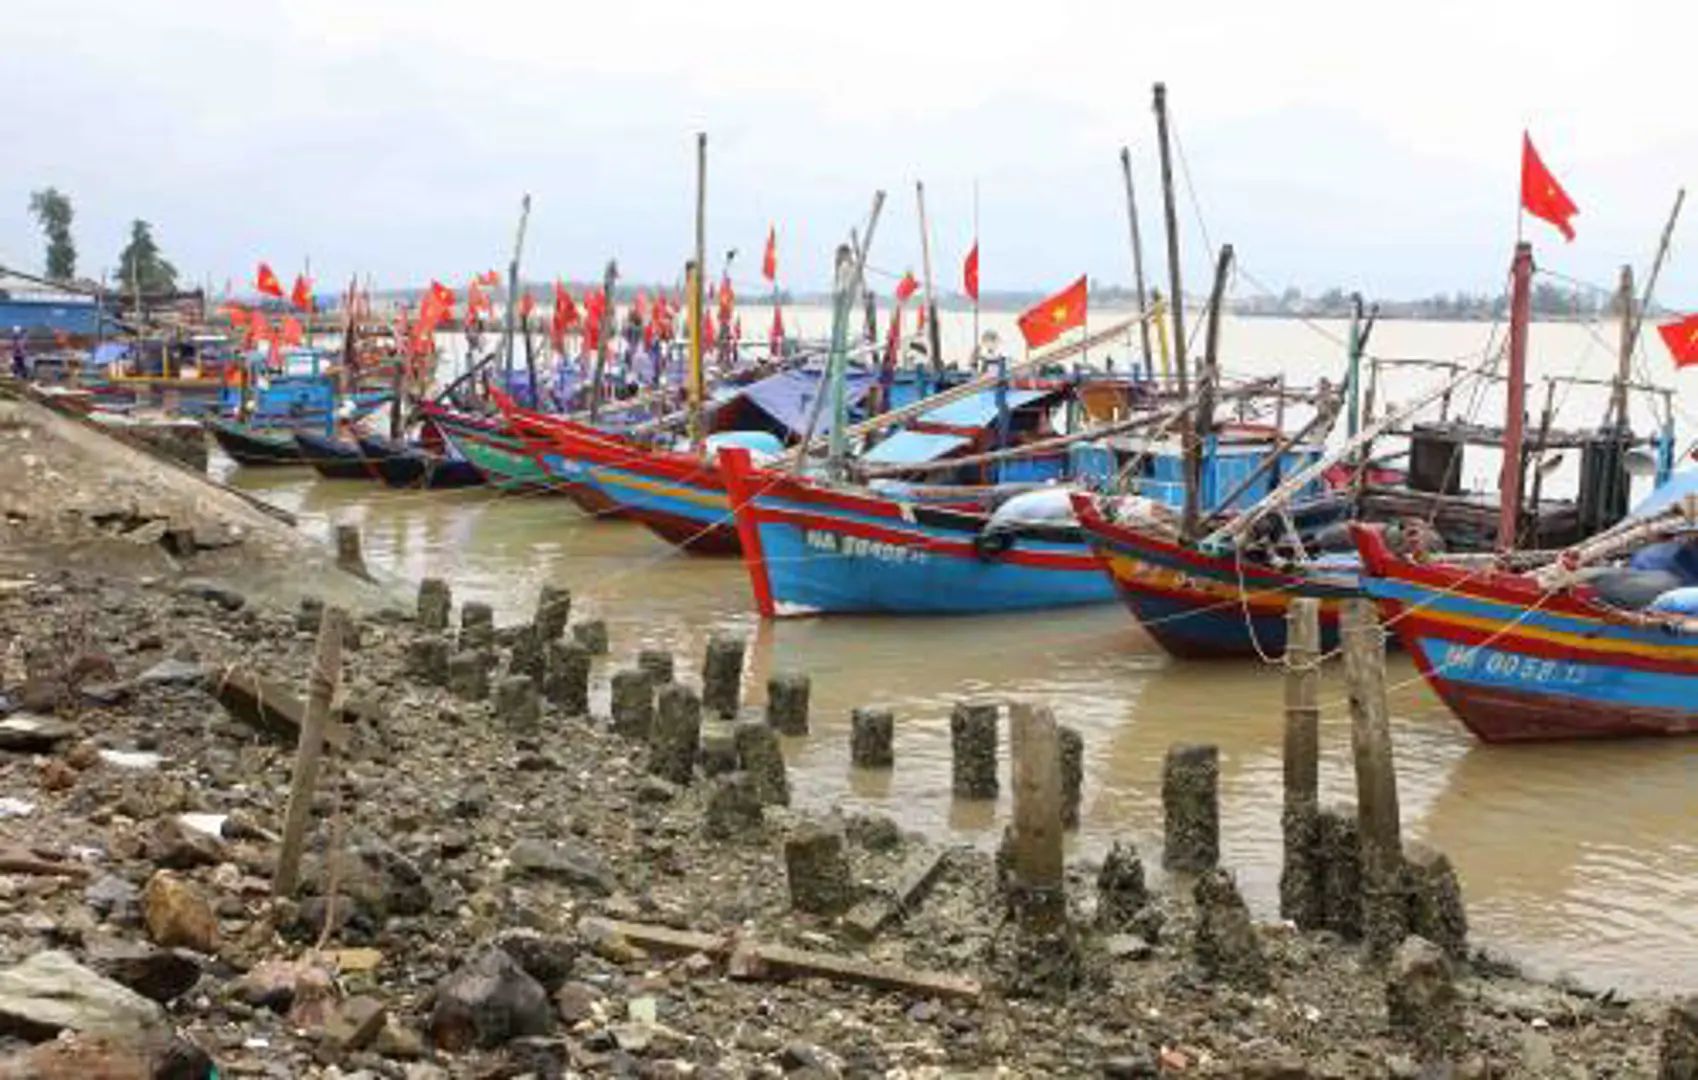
(502, 456)
(1516, 664)
(678, 497)
(1206, 607)
(397, 465)
(333, 459)
(255, 448)
(816, 550)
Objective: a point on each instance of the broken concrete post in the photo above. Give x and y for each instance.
(722, 676)
(1300, 875)
(554, 610)
(528, 657)
(1677, 1048)
(734, 808)
(1436, 910)
(1047, 949)
(973, 750)
(1384, 905)
(658, 663)
(477, 626)
(818, 872)
(761, 759)
(1226, 947)
(1121, 892)
(517, 705)
(787, 696)
(567, 681)
(632, 704)
(1339, 854)
(436, 604)
(677, 731)
(1421, 1000)
(349, 556)
(718, 753)
(427, 659)
(309, 614)
(592, 635)
(1190, 798)
(1072, 775)
(468, 677)
(871, 735)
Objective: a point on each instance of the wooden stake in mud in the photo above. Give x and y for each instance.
(1300, 880)
(321, 689)
(1038, 864)
(1383, 909)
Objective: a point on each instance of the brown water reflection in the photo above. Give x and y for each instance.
(1574, 858)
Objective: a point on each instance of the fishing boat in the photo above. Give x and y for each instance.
(255, 446)
(1529, 656)
(333, 459)
(501, 454)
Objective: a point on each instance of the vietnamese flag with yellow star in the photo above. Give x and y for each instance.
(1681, 336)
(1050, 319)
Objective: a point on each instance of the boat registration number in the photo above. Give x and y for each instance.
(859, 547)
(1511, 667)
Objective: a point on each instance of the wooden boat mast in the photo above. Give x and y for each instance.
(697, 387)
(1515, 407)
(513, 302)
(1176, 301)
(1633, 315)
(934, 337)
(608, 278)
(1202, 423)
(1137, 262)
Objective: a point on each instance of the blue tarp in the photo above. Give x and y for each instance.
(1680, 485)
(788, 397)
(914, 447)
(979, 409)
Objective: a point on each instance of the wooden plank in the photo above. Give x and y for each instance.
(272, 709)
(761, 961)
(868, 919)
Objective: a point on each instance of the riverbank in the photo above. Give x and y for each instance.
(480, 852)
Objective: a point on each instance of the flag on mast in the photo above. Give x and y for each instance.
(1541, 195)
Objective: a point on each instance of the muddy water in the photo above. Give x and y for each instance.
(1574, 858)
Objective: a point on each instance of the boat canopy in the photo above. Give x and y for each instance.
(1679, 486)
(977, 409)
(914, 447)
(788, 397)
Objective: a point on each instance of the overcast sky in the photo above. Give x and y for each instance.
(1371, 146)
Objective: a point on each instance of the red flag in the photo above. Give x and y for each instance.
(527, 305)
(640, 306)
(709, 338)
(920, 324)
(775, 339)
(290, 331)
(905, 288)
(301, 297)
(259, 330)
(1063, 311)
(238, 315)
(1682, 339)
(727, 298)
(895, 341)
(490, 278)
(267, 282)
(1541, 195)
(769, 261)
(970, 272)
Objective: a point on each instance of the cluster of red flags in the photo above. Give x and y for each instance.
(266, 281)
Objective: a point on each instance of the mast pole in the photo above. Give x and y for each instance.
(851, 271)
(609, 276)
(934, 338)
(1353, 370)
(513, 301)
(1203, 420)
(1137, 263)
(1635, 321)
(975, 297)
(1515, 417)
(1176, 296)
(698, 389)
(1624, 362)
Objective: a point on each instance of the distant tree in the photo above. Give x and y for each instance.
(52, 210)
(140, 266)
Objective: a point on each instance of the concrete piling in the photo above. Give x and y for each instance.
(1226, 947)
(1190, 796)
(1677, 1045)
(528, 657)
(872, 733)
(1072, 775)
(1436, 910)
(516, 704)
(1421, 1001)
(427, 659)
(734, 808)
(1121, 891)
(310, 614)
(567, 682)
(468, 676)
(761, 759)
(658, 663)
(436, 604)
(477, 626)
(674, 739)
(554, 610)
(1300, 882)
(718, 753)
(722, 676)
(349, 555)
(817, 871)
(787, 695)
(632, 704)
(1340, 861)
(592, 635)
(973, 750)
(1384, 904)
(1047, 948)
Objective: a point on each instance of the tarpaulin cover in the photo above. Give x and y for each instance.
(1680, 485)
(978, 409)
(788, 397)
(914, 447)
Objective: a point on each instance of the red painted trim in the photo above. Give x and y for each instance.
(734, 466)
